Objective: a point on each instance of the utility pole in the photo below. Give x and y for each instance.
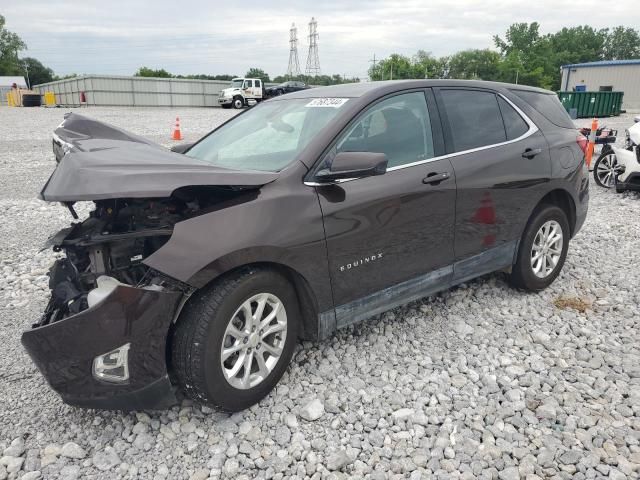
(517, 74)
(391, 78)
(26, 69)
(374, 65)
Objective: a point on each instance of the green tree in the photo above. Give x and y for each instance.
(148, 72)
(10, 45)
(474, 64)
(394, 67)
(527, 56)
(258, 73)
(36, 71)
(426, 65)
(622, 43)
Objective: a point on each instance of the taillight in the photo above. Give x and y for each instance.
(582, 142)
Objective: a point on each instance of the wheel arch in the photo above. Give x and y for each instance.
(563, 199)
(307, 300)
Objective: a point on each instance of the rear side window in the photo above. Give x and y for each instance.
(547, 105)
(474, 118)
(514, 124)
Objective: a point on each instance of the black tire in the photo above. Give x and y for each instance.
(522, 274)
(606, 156)
(237, 102)
(196, 341)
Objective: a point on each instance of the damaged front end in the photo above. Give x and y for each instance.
(101, 341)
(107, 250)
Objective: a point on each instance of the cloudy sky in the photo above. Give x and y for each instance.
(214, 37)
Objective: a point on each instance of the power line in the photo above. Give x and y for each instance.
(313, 60)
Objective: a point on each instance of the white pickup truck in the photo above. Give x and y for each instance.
(242, 92)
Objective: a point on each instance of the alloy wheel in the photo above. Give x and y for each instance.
(546, 249)
(607, 169)
(253, 341)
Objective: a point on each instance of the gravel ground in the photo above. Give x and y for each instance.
(478, 382)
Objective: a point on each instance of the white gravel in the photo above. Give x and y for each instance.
(479, 382)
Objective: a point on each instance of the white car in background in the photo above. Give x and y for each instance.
(242, 93)
(628, 160)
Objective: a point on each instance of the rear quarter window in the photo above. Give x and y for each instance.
(548, 105)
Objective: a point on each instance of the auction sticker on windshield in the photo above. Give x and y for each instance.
(327, 102)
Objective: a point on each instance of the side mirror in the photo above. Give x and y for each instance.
(354, 165)
(181, 147)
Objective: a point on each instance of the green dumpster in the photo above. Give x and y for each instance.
(592, 104)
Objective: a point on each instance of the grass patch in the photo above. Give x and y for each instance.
(576, 303)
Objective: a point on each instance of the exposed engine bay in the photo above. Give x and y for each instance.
(108, 248)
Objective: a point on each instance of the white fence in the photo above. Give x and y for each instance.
(135, 91)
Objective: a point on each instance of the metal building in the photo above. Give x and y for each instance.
(607, 75)
(134, 91)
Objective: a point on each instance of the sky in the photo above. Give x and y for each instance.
(116, 37)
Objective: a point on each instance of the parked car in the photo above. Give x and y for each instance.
(627, 161)
(286, 87)
(241, 93)
(312, 211)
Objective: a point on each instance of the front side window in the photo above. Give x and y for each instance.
(474, 118)
(268, 137)
(399, 127)
(248, 83)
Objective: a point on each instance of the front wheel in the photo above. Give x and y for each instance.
(606, 169)
(238, 102)
(234, 340)
(542, 250)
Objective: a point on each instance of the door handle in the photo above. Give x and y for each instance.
(531, 152)
(435, 178)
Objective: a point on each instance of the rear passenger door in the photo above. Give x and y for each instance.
(501, 161)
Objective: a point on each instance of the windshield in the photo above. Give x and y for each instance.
(268, 137)
(236, 83)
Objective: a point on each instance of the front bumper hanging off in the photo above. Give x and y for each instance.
(64, 351)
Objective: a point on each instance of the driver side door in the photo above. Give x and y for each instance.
(390, 237)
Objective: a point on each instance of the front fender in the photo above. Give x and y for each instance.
(282, 224)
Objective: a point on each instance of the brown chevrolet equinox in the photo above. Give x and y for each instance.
(200, 268)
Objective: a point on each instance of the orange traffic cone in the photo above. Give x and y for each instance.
(176, 130)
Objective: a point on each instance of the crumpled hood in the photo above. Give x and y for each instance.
(98, 161)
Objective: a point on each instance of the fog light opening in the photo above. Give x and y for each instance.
(113, 366)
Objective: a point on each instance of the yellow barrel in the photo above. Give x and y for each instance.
(50, 99)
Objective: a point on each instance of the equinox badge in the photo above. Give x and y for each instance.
(360, 262)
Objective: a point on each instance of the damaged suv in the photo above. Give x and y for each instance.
(199, 269)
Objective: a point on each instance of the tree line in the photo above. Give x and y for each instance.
(522, 56)
(251, 73)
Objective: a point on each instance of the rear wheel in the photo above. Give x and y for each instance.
(542, 250)
(234, 340)
(605, 170)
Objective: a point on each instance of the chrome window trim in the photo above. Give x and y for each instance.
(533, 128)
